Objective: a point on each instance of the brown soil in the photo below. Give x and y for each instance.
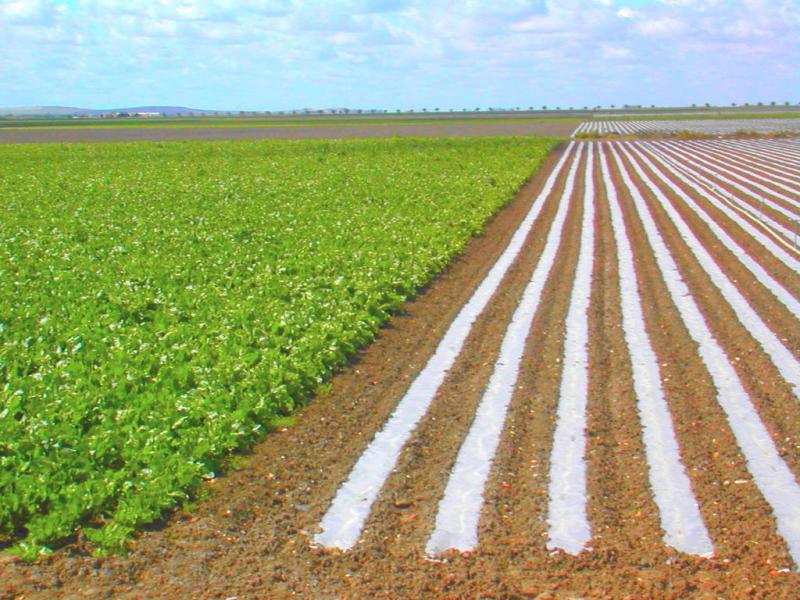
(756, 173)
(294, 132)
(730, 188)
(767, 260)
(251, 537)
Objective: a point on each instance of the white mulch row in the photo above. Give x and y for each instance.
(666, 171)
(771, 474)
(701, 126)
(459, 510)
(342, 524)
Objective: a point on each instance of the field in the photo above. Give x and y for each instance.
(294, 131)
(598, 399)
(164, 304)
(680, 125)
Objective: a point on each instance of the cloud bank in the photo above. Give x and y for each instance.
(277, 54)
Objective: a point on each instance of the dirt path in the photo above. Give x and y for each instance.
(254, 536)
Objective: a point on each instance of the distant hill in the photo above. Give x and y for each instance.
(68, 111)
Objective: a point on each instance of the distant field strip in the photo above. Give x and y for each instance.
(701, 126)
(164, 304)
(700, 244)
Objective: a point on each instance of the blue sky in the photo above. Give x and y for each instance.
(283, 54)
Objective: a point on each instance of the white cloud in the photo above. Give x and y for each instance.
(29, 11)
(615, 52)
(405, 51)
(663, 26)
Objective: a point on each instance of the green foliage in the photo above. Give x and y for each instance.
(164, 304)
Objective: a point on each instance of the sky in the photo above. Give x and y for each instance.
(397, 54)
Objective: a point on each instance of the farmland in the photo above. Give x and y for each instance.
(600, 398)
(707, 126)
(162, 305)
(202, 130)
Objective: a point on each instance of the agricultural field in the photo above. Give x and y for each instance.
(298, 130)
(162, 305)
(598, 399)
(697, 126)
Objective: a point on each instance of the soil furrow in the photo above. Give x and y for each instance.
(692, 194)
(780, 193)
(762, 205)
(752, 232)
(764, 172)
(424, 467)
(624, 516)
(735, 512)
(783, 323)
(770, 393)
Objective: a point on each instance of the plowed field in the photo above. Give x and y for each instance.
(600, 398)
(698, 126)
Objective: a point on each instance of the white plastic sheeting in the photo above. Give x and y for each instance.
(679, 513)
(703, 186)
(569, 528)
(770, 473)
(342, 524)
(736, 178)
(770, 283)
(780, 356)
(459, 510)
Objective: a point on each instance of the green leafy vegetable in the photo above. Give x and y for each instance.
(163, 304)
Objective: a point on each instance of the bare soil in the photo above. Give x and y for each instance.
(294, 132)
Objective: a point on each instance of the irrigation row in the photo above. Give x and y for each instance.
(666, 203)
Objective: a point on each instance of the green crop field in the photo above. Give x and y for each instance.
(162, 304)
